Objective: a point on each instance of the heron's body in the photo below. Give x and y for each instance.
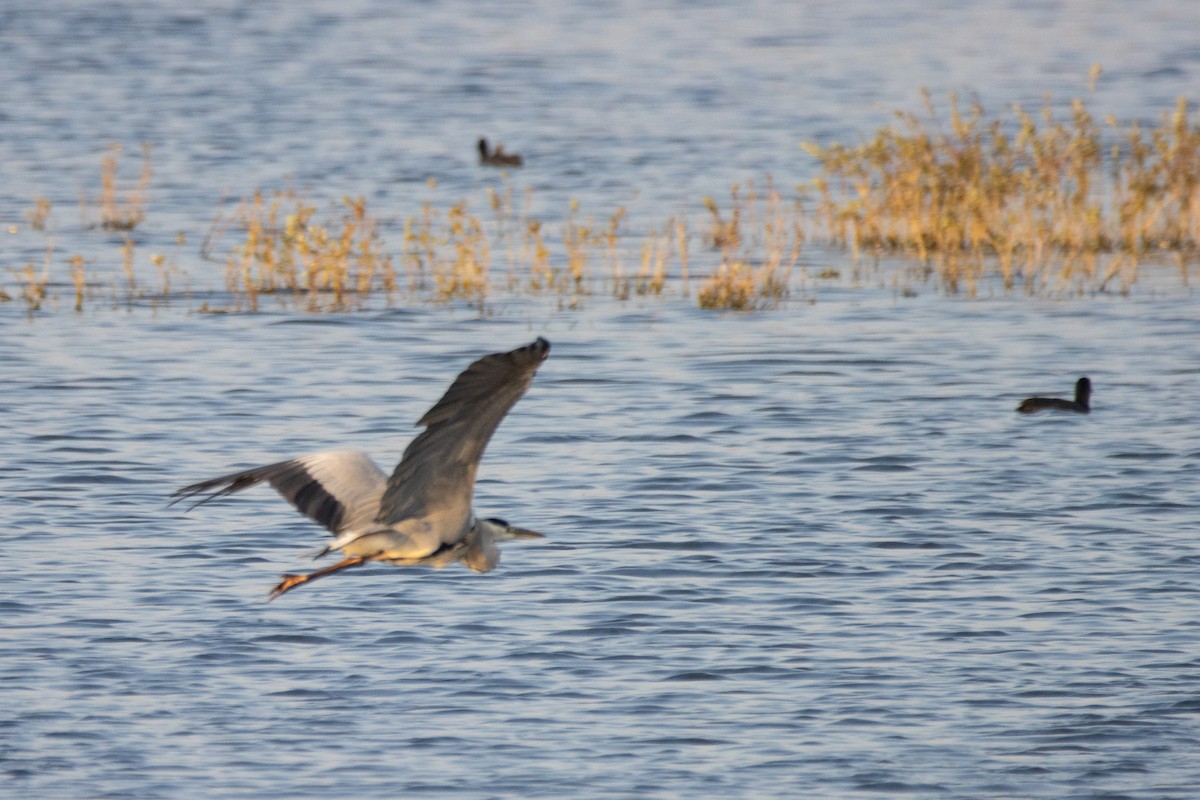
(422, 514)
(1080, 405)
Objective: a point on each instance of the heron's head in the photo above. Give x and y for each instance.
(501, 530)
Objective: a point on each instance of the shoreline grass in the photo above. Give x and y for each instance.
(1037, 202)
(1043, 201)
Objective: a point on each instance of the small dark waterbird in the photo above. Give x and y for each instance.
(1080, 405)
(422, 514)
(497, 157)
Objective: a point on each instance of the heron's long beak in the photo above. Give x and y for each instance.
(524, 533)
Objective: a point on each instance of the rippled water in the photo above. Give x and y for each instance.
(805, 553)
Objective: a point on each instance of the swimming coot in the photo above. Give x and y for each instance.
(497, 157)
(1083, 392)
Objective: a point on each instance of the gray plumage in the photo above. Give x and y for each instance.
(423, 513)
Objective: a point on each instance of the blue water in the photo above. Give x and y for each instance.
(809, 552)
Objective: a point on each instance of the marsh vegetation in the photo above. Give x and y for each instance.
(1043, 202)
(1035, 203)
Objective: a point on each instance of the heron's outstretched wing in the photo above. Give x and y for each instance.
(340, 490)
(436, 476)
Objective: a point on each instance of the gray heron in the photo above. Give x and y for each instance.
(1080, 405)
(422, 514)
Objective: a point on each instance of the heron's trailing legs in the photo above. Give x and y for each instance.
(291, 581)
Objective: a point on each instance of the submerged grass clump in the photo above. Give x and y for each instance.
(120, 210)
(464, 275)
(451, 250)
(1047, 201)
(39, 215)
(759, 244)
(327, 264)
(78, 280)
(33, 286)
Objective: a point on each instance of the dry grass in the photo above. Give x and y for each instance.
(761, 231)
(681, 241)
(421, 244)
(453, 250)
(33, 286)
(1046, 201)
(731, 287)
(535, 252)
(464, 275)
(39, 215)
(657, 249)
(579, 239)
(449, 249)
(34, 283)
(737, 286)
(78, 280)
(725, 234)
(127, 253)
(327, 265)
(120, 210)
(338, 261)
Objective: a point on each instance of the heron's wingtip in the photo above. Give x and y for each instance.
(186, 493)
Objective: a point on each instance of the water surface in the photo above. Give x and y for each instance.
(810, 552)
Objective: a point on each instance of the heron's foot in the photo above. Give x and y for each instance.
(291, 581)
(288, 582)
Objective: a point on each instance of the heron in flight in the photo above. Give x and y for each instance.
(422, 514)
